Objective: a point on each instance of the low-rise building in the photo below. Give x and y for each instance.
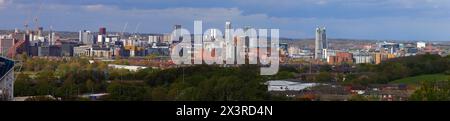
(94, 97)
(52, 50)
(67, 48)
(93, 51)
(281, 85)
(341, 57)
(130, 68)
(82, 51)
(100, 52)
(362, 58)
(5, 44)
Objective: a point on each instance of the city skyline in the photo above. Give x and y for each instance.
(353, 19)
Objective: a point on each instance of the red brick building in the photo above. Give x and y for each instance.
(341, 57)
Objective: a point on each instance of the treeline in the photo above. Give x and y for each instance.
(399, 68)
(208, 83)
(69, 78)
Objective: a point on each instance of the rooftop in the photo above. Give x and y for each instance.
(5, 66)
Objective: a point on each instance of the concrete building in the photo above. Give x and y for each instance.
(229, 43)
(52, 38)
(49, 51)
(33, 50)
(5, 44)
(101, 39)
(155, 39)
(380, 57)
(389, 47)
(82, 51)
(159, 49)
(67, 48)
(99, 52)
(362, 58)
(86, 37)
(167, 38)
(111, 39)
(421, 45)
(411, 50)
(320, 43)
(93, 51)
(227, 25)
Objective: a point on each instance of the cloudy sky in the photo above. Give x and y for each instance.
(357, 19)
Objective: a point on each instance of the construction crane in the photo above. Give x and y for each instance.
(36, 17)
(26, 22)
(123, 30)
(137, 27)
(131, 46)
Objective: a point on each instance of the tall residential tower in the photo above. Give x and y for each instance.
(321, 44)
(230, 49)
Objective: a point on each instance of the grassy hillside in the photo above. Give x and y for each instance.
(418, 79)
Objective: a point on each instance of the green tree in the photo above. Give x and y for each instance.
(284, 75)
(324, 77)
(128, 92)
(90, 85)
(69, 89)
(62, 70)
(46, 83)
(23, 86)
(159, 94)
(432, 91)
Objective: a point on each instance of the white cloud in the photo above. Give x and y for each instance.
(321, 2)
(98, 7)
(4, 3)
(404, 4)
(161, 20)
(77, 17)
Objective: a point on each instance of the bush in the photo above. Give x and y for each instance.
(41, 98)
(447, 72)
